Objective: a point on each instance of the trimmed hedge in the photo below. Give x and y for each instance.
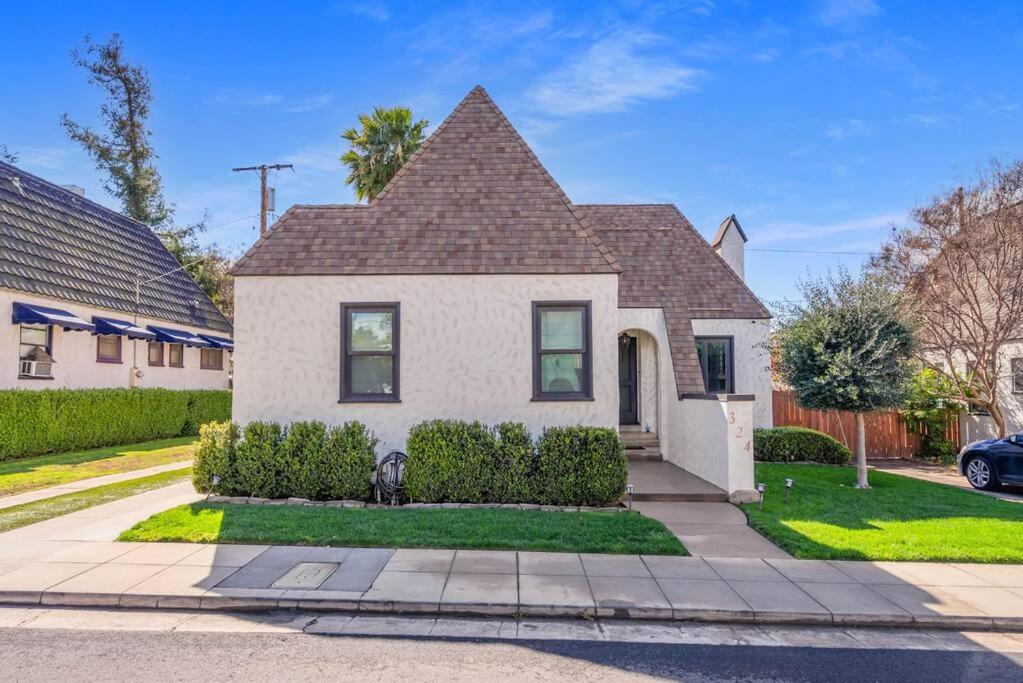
(304, 459)
(60, 420)
(467, 462)
(798, 444)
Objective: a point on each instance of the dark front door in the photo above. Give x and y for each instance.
(628, 381)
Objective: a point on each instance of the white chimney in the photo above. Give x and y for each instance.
(77, 189)
(730, 244)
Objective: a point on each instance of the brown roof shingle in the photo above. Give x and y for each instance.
(473, 199)
(666, 264)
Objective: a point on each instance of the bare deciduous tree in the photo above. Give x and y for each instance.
(960, 263)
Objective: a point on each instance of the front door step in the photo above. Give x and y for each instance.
(663, 482)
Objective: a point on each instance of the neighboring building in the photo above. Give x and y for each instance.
(471, 287)
(68, 274)
(977, 425)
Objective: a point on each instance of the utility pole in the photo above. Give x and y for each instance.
(263, 168)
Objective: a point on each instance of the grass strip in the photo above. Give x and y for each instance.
(898, 518)
(486, 529)
(29, 474)
(41, 510)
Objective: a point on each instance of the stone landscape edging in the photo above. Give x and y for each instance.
(254, 500)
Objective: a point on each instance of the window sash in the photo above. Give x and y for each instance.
(180, 353)
(28, 342)
(703, 354)
(1016, 367)
(108, 348)
(158, 347)
(211, 359)
(348, 353)
(541, 354)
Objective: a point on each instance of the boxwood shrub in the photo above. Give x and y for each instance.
(268, 460)
(798, 444)
(580, 466)
(60, 420)
(467, 462)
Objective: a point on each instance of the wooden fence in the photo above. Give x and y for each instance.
(888, 435)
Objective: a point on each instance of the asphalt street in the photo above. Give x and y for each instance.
(38, 655)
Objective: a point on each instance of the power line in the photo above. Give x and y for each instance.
(263, 168)
(815, 252)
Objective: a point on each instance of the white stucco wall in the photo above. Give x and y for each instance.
(708, 437)
(649, 373)
(75, 353)
(466, 349)
(732, 249)
(752, 360)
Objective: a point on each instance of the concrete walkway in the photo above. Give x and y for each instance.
(84, 484)
(942, 474)
(712, 529)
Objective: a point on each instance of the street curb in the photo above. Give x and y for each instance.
(240, 603)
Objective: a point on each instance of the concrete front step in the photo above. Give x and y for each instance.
(688, 497)
(643, 455)
(663, 482)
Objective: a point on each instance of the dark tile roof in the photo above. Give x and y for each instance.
(56, 243)
(473, 199)
(667, 264)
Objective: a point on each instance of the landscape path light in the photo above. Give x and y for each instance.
(629, 488)
(760, 489)
(788, 488)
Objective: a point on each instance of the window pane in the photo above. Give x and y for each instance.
(1016, 365)
(561, 372)
(717, 366)
(371, 330)
(107, 347)
(155, 353)
(561, 329)
(36, 335)
(176, 354)
(372, 375)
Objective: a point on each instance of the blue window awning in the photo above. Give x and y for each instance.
(33, 314)
(121, 327)
(172, 336)
(218, 342)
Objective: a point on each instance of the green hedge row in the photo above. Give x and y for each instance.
(468, 462)
(798, 444)
(267, 460)
(60, 420)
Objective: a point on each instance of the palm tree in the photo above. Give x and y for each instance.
(386, 140)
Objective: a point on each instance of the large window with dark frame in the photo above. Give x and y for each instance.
(211, 359)
(562, 363)
(1016, 367)
(108, 348)
(155, 351)
(715, 355)
(35, 346)
(370, 352)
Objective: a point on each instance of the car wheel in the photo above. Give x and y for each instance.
(981, 474)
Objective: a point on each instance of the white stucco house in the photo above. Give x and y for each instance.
(472, 287)
(92, 299)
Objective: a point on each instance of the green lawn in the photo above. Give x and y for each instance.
(897, 519)
(590, 532)
(41, 510)
(29, 474)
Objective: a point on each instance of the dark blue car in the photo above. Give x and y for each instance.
(989, 464)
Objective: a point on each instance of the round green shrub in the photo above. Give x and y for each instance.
(798, 444)
(449, 461)
(514, 464)
(580, 466)
(263, 470)
(344, 468)
(215, 455)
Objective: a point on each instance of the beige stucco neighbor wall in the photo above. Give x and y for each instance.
(466, 349)
(752, 360)
(75, 353)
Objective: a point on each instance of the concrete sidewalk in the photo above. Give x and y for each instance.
(189, 576)
(712, 529)
(85, 484)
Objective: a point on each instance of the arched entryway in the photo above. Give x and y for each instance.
(638, 376)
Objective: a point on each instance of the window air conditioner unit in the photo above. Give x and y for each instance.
(34, 368)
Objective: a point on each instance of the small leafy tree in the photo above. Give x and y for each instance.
(846, 348)
(926, 412)
(8, 156)
(123, 153)
(385, 141)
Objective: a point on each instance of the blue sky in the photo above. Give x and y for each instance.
(819, 123)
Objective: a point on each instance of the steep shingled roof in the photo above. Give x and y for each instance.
(473, 199)
(56, 243)
(666, 264)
